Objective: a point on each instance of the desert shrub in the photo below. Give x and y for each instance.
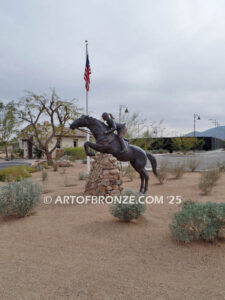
(177, 170)
(128, 211)
(55, 166)
(208, 180)
(76, 153)
(15, 173)
(187, 202)
(82, 176)
(162, 171)
(221, 166)
(19, 198)
(44, 175)
(63, 171)
(129, 172)
(193, 163)
(198, 221)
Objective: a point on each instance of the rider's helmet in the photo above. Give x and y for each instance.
(105, 115)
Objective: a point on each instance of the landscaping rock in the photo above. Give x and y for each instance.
(104, 178)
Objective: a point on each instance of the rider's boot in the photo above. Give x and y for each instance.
(123, 145)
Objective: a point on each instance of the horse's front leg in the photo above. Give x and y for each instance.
(96, 147)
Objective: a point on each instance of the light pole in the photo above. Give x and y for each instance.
(120, 111)
(121, 106)
(198, 118)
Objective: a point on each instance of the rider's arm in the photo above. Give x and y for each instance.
(112, 126)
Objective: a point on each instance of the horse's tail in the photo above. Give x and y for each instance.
(153, 162)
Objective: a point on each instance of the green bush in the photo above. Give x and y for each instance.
(15, 173)
(76, 152)
(128, 211)
(19, 198)
(198, 221)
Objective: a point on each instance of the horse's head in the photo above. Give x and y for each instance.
(83, 121)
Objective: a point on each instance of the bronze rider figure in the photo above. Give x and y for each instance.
(119, 127)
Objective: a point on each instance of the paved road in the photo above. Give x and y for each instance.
(207, 160)
(12, 163)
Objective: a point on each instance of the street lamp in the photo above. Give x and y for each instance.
(120, 111)
(198, 118)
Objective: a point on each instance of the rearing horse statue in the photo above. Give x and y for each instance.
(110, 144)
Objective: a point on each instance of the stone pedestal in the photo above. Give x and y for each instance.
(104, 178)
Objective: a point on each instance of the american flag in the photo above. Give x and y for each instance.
(87, 74)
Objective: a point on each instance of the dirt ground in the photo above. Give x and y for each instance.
(83, 252)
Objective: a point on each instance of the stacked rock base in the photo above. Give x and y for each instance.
(104, 178)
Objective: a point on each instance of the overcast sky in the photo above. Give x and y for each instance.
(164, 59)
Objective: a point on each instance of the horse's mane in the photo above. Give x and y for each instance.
(98, 121)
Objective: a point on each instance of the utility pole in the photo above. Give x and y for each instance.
(216, 124)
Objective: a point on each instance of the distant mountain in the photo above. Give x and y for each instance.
(218, 132)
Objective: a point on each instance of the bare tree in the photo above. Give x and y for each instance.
(33, 107)
(132, 121)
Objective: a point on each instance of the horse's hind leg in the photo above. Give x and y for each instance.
(146, 177)
(139, 170)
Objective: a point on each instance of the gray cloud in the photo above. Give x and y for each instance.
(162, 58)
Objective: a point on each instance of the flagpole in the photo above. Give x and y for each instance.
(87, 113)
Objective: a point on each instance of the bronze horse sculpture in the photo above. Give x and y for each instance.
(110, 144)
